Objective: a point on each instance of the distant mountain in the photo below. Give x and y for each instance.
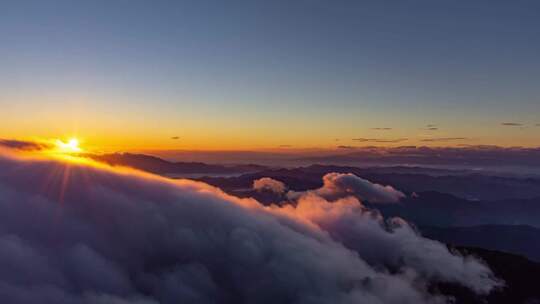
(467, 184)
(522, 240)
(443, 198)
(444, 210)
(439, 199)
(461, 183)
(519, 274)
(160, 166)
(472, 156)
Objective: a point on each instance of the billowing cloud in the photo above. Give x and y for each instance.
(340, 185)
(392, 243)
(23, 145)
(74, 233)
(269, 184)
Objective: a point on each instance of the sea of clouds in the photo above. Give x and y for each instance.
(79, 233)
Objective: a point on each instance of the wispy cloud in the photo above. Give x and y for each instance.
(23, 145)
(346, 147)
(511, 124)
(381, 129)
(175, 137)
(431, 127)
(380, 140)
(439, 139)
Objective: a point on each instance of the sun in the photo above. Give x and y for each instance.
(69, 147)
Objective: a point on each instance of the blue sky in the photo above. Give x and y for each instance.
(258, 74)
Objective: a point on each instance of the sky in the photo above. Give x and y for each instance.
(259, 75)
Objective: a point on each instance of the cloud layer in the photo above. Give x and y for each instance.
(73, 233)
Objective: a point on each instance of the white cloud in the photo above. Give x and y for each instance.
(340, 185)
(269, 184)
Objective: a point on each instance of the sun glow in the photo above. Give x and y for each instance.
(69, 147)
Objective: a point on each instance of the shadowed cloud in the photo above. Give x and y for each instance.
(23, 145)
(76, 234)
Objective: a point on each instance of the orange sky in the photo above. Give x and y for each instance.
(318, 78)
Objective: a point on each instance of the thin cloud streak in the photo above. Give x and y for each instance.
(442, 139)
(346, 147)
(430, 127)
(380, 140)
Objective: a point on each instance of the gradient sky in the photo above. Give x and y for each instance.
(261, 74)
